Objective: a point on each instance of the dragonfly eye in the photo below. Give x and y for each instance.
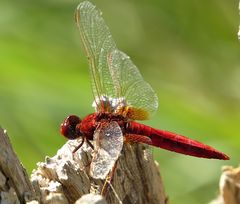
(68, 127)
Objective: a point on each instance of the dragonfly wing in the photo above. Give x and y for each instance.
(139, 95)
(98, 43)
(115, 79)
(108, 145)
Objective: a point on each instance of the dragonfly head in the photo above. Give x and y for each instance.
(69, 127)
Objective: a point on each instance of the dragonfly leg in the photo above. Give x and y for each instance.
(90, 144)
(78, 147)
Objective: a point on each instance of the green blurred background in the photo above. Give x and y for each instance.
(187, 50)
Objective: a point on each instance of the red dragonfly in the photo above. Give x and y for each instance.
(121, 96)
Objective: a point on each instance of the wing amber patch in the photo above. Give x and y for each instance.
(137, 113)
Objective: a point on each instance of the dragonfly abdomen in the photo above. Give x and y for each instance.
(175, 142)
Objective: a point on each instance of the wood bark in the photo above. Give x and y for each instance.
(64, 178)
(15, 186)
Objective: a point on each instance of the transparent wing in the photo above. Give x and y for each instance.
(107, 148)
(139, 95)
(98, 43)
(114, 76)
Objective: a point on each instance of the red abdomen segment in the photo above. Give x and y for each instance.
(174, 142)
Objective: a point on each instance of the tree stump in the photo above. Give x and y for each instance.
(64, 178)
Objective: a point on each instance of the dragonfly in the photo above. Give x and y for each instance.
(121, 98)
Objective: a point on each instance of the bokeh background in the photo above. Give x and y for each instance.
(187, 50)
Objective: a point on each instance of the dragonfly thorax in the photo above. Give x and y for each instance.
(91, 122)
(108, 104)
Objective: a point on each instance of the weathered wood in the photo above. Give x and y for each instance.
(136, 179)
(15, 186)
(91, 198)
(229, 186)
(64, 178)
